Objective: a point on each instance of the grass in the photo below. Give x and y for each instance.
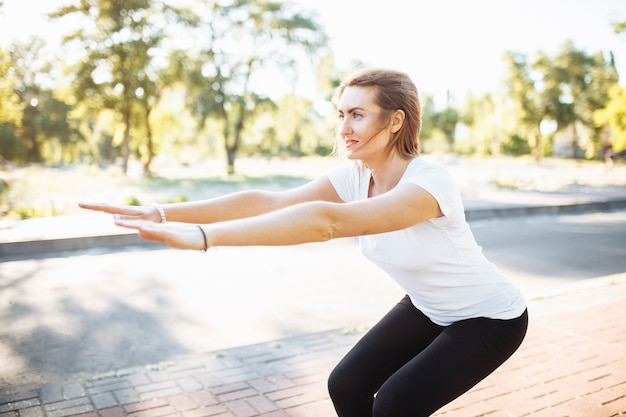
(36, 191)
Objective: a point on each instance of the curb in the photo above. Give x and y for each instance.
(578, 208)
(42, 247)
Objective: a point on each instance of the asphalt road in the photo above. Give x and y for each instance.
(99, 311)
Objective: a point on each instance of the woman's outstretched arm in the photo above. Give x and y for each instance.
(242, 204)
(311, 221)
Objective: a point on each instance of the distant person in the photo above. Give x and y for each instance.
(461, 318)
(609, 157)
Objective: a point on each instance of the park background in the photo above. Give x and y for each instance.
(136, 100)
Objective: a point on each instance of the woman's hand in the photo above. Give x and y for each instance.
(175, 235)
(150, 213)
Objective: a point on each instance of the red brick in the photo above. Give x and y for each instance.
(112, 412)
(262, 385)
(317, 409)
(240, 408)
(154, 412)
(477, 409)
(236, 395)
(296, 400)
(553, 398)
(580, 407)
(282, 413)
(182, 402)
(262, 404)
(222, 389)
(606, 396)
(145, 405)
(211, 411)
(273, 383)
(203, 398)
(92, 414)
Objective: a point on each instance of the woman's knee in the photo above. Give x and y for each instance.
(390, 405)
(349, 395)
(338, 385)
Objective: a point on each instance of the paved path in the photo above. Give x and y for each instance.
(572, 363)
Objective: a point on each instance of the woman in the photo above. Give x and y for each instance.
(460, 319)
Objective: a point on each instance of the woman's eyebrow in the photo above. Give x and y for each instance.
(352, 110)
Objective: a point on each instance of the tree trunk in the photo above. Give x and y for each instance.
(575, 141)
(147, 169)
(230, 160)
(537, 145)
(126, 143)
(231, 150)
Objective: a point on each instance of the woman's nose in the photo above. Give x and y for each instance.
(344, 127)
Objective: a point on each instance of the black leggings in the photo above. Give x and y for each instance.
(408, 366)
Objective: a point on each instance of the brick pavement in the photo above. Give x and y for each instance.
(572, 363)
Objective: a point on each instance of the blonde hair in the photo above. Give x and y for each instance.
(394, 91)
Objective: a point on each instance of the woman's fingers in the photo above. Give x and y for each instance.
(175, 235)
(113, 209)
(124, 221)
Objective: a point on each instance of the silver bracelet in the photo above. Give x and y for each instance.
(161, 212)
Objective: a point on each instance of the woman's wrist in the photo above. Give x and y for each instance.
(206, 246)
(160, 211)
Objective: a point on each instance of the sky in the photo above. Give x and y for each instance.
(443, 45)
(458, 45)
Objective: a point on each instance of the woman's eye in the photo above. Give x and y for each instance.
(357, 115)
(341, 116)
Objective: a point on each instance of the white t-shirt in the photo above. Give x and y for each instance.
(437, 262)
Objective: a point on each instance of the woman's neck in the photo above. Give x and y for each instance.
(386, 174)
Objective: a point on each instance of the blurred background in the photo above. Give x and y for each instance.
(131, 88)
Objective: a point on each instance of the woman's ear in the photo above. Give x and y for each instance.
(397, 120)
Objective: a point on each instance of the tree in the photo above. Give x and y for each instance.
(446, 121)
(566, 89)
(10, 107)
(10, 110)
(119, 71)
(428, 117)
(480, 115)
(40, 120)
(584, 82)
(525, 98)
(614, 115)
(242, 40)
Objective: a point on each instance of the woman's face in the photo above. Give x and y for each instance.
(364, 132)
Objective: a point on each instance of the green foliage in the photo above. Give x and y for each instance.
(10, 106)
(24, 213)
(11, 147)
(5, 186)
(141, 85)
(516, 145)
(132, 201)
(567, 89)
(221, 78)
(179, 199)
(614, 116)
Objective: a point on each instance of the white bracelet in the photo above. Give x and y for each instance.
(161, 212)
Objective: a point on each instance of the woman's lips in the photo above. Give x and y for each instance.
(350, 143)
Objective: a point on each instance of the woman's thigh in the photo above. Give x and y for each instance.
(398, 337)
(460, 357)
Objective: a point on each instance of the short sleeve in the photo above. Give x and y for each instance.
(347, 180)
(438, 182)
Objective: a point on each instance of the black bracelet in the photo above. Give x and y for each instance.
(206, 247)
